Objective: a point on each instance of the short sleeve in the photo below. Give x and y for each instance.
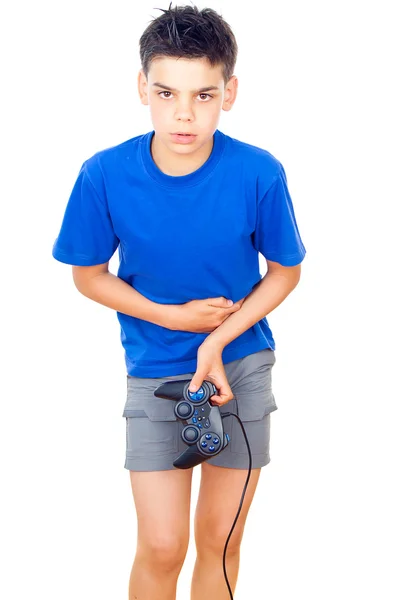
(276, 233)
(86, 236)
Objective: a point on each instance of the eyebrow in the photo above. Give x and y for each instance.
(170, 89)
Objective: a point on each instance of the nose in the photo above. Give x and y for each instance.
(184, 111)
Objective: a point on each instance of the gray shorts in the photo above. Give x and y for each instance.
(153, 432)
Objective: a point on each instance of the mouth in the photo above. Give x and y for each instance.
(182, 133)
(183, 138)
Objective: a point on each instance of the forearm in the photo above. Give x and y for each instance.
(115, 293)
(265, 297)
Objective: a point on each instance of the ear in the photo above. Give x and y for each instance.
(143, 88)
(230, 93)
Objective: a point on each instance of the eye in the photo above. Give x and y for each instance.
(167, 92)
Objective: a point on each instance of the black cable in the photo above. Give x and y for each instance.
(242, 497)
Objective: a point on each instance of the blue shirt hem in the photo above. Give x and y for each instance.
(189, 366)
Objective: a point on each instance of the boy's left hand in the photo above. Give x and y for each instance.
(210, 367)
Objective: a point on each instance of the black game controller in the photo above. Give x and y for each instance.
(204, 426)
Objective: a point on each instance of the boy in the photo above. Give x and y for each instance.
(189, 208)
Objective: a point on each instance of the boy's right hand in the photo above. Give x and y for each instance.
(204, 316)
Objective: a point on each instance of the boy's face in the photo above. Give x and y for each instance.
(172, 91)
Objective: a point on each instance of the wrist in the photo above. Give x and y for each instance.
(215, 342)
(170, 316)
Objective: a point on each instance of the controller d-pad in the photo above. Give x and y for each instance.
(197, 396)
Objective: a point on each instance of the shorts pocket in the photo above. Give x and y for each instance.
(141, 400)
(146, 438)
(257, 433)
(151, 425)
(254, 394)
(255, 401)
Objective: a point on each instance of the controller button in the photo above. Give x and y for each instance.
(208, 436)
(197, 396)
(203, 444)
(200, 425)
(216, 441)
(212, 448)
(228, 437)
(196, 412)
(194, 420)
(200, 418)
(207, 423)
(202, 409)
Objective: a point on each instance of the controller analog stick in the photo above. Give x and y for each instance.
(183, 410)
(190, 434)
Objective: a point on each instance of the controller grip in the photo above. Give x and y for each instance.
(190, 458)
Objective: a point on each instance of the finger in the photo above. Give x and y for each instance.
(236, 306)
(196, 382)
(233, 308)
(227, 310)
(220, 302)
(225, 395)
(219, 400)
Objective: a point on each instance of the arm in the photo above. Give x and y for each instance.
(199, 316)
(98, 284)
(273, 288)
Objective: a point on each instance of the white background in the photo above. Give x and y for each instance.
(318, 89)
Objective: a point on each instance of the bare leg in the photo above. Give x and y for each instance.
(153, 579)
(219, 497)
(162, 501)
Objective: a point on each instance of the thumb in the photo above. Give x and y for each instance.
(196, 383)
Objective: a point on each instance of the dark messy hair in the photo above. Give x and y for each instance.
(187, 32)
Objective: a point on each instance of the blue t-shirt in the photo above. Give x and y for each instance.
(181, 238)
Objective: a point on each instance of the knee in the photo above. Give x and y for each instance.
(164, 552)
(212, 540)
